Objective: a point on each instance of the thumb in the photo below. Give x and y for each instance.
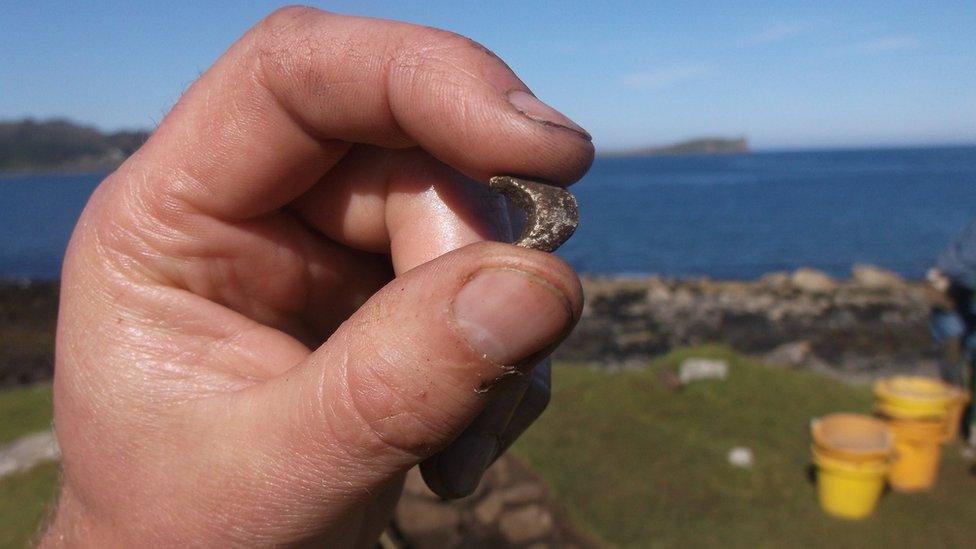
(406, 374)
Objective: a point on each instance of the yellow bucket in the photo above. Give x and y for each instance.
(848, 489)
(913, 397)
(851, 452)
(918, 451)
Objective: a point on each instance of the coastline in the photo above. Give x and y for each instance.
(871, 324)
(62, 171)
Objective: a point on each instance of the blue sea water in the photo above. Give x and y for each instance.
(734, 216)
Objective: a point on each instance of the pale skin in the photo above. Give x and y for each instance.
(290, 295)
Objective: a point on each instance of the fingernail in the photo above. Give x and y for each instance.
(509, 315)
(527, 104)
(462, 464)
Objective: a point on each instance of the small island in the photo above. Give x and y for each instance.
(61, 145)
(702, 145)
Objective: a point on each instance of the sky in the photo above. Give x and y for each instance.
(823, 74)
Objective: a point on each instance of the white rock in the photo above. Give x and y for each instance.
(525, 524)
(813, 281)
(795, 353)
(875, 278)
(693, 369)
(741, 457)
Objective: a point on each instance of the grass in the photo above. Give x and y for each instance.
(24, 410)
(25, 497)
(25, 500)
(639, 465)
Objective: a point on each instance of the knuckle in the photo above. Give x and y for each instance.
(284, 35)
(127, 225)
(301, 53)
(285, 19)
(433, 50)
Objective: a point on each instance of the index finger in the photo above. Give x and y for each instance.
(282, 105)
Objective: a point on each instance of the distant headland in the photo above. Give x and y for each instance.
(61, 145)
(702, 145)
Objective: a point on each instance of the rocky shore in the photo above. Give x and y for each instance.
(28, 315)
(873, 322)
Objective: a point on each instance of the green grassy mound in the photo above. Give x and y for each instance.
(25, 501)
(640, 465)
(25, 498)
(24, 410)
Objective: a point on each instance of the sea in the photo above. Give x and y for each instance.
(732, 216)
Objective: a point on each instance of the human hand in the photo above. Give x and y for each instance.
(236, 363)
(937, 289)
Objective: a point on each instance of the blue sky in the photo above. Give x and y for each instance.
(786, 74)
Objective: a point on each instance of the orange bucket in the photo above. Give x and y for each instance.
(918, 452)
(954, 412)
(852, 437)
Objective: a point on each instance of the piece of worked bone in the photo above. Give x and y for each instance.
(551, 213)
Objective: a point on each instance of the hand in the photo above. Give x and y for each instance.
(287, 298)
(937, 279)
(937, 290)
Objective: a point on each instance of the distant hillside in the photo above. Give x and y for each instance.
(59, 145)
(705, 145)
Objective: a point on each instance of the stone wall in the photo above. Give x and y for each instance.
(511, 508)
(874, 321)
(28, 312)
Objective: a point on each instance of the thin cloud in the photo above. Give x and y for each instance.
(886, 44)
(774, 33)
(659, 79)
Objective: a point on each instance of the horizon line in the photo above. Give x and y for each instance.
(631, 152)
(626, 151)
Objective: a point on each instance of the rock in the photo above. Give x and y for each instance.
(525, 524)
(28, 451)
(523, 492)
(488, 510)
(813, 281)
(795, 353)
(694, 369)
(778, 280)
(500, 472)
(429, 524)
(876, 278)
(741, 457)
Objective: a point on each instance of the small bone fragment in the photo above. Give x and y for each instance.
(551, 213)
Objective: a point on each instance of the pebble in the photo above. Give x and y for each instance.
(741, 457)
